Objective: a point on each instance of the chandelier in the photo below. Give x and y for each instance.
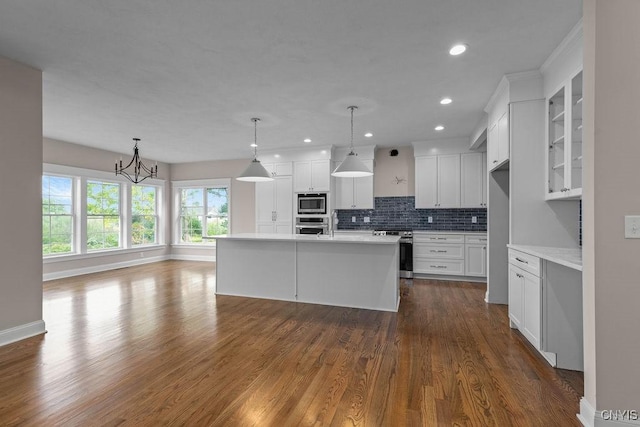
(140, 172)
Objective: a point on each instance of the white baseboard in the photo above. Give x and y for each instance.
(589, 417)
(193, 257)
(102, 267)
(21, 332)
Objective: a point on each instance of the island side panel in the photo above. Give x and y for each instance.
(257, 269)
(349, 275)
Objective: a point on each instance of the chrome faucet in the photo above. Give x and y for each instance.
(333, 222)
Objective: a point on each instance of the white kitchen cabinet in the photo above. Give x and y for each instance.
(525, 296)
(355, 193)
(475, 255)
(274, 206)
(564, 140)
(279, 168)
(498, 141)
(473, 169)
(441, 254)
(437, 181)
(446, 254)
(312, 176)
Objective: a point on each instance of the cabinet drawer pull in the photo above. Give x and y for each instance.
(438, 266)
(438, 252)
(437, 238)
(519, 275)
(521, 260)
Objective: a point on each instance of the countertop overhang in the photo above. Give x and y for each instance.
(307, 238)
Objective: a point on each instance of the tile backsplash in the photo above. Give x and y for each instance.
(398, 213)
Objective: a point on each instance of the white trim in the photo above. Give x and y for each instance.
(22, 332)
(183, 257)
(564, 44)
(201, 183)
(52, 259)
(102, 267)
(589, 417)
(93, 174)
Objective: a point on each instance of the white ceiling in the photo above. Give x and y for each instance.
(186, 76)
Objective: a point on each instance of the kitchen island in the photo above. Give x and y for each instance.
(342, 270)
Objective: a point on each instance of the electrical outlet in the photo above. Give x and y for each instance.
(430, 219)
(353, 219)
(367, 219)
(474, 219)
(632, 227)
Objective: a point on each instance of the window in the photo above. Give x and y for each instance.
(103, 215)
(144, 219)
(57, 215)
(204, 213)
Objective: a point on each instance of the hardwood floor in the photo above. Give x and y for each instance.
(153, 345)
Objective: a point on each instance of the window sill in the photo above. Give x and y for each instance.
(194, 245)
(95, 254)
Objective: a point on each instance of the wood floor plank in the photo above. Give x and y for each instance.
(154, 345)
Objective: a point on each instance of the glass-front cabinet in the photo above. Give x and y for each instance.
(564, 141)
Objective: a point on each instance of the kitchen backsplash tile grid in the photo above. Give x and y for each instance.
(398, 213)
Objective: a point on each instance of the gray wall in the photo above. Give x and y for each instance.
(611, 275)
(20, 187)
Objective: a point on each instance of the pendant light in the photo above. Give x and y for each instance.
(255, 172)
(352, 166)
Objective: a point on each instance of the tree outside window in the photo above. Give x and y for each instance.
(143, 215)
(103, 215)
(57, 215)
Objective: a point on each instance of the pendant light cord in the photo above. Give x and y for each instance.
(353, 107)
(255, 137)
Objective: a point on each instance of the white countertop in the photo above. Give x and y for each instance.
(339, 238)
(568, 257)
(448, 232)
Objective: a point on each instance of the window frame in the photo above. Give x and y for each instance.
(72, 215)
(203, 184)
(80, 177)
(156, 216)
(119, 216)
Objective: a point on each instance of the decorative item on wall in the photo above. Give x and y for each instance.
(140, 171)
(255, 172)
(351, 166)
(399, 180)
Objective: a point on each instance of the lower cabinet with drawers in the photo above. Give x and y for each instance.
(453, 254)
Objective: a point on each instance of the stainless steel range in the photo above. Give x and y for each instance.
(406, 250)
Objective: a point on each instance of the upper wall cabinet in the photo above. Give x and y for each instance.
(355, 193)
(311, 176)
(473, 180)
(438, 181)
(564, 140)
(279, 168)
(498, 141)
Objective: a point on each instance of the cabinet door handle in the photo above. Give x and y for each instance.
(521, 260)
(495, 161)
(519, 275)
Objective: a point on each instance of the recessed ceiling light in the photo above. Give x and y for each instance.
(307, 140)
(368, 135)
(276, 155)
(253, 144)
(445, 101)
(457, 49)
(439, 128)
